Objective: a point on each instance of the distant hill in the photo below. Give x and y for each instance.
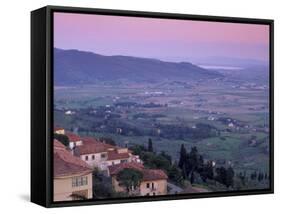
(73, 67)
(256, 74)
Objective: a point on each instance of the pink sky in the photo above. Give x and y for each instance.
(173, 40)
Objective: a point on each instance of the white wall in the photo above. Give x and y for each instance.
(15, 107)
(97, 162)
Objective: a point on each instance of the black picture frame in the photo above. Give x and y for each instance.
(42, 102)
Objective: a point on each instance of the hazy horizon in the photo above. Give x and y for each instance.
(234, 62)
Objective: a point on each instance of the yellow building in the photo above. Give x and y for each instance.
(154, 181)
(59, 130)
(72, 176)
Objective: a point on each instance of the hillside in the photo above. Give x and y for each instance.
(74, 67)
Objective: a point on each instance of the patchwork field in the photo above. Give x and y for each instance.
(236, 117)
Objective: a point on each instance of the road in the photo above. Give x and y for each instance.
(173, 189)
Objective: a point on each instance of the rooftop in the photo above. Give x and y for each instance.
(115, 169)
(65, 164)
(154, 174)
(114, 155)
(148, 174)
(92, 146)
(72, 137)
(57, 128)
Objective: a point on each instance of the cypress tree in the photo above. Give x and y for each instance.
(192, 178)
(183, 162)
(150, 146)
(229, 177)
(183, 156)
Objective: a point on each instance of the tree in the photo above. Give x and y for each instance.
(200, 163)
(194, 159)
(221, 175)
(138, 149)
(254, 176)
(62, 138)
(150, 146)
(152, 160)
(242, 177)
(108, 140)
(129, 178)
(183, 156)
(229, 177)
(183, 162)
(207, 171)
(192, 177)
(260, 177)
(225, 176)
(175, 175)
(168, 157)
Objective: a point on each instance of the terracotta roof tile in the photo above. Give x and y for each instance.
(57, 128)
(58, 145)
(65, 164)
(154, 174)
(114, 155)
(92, 146)
(73, 137)
(148, 174)
(115, 169)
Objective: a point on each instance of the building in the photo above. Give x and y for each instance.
(119, 155)
(72, 176)
(69, 112)
(154, 181)
(74, 140)
(94, 152)
(59, 130)
(101, 155)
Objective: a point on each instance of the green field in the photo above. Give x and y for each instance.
(244, 145)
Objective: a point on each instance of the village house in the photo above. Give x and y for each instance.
(101, 155)
(154, 181)
(94, 152)
(74, 140)
(59, 130)
(119, 155)
(72, 176)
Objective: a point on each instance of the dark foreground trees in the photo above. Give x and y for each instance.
(129, 178)
(192, 162)
(159, 161)
(62, 138)
(225, 176)
(150, 146)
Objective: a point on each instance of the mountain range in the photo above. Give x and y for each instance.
(74, 67)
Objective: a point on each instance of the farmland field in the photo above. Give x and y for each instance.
(236, 114)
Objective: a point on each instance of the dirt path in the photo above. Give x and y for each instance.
(194, 189)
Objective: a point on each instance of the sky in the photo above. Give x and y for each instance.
(165, 39)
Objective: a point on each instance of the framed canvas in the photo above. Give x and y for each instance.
(134, 106)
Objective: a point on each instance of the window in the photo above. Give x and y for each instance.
(93, 157)
(147, 185)
(124, 161)
(79, 181)
(147, 194)
(154, 193)
(152, 185)
(86, 157)
(103, 155)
